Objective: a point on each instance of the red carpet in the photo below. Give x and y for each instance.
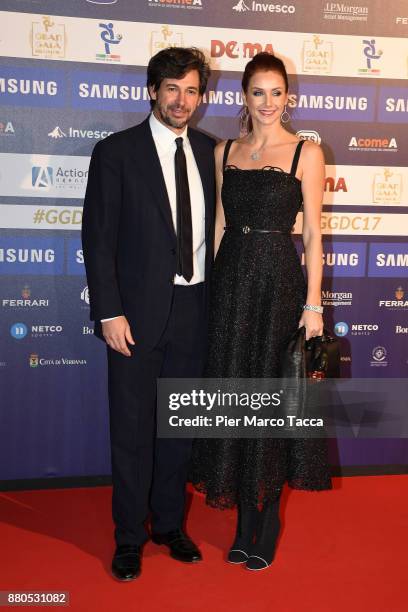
(344, 550)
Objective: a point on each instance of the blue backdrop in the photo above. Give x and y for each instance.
(74, 74)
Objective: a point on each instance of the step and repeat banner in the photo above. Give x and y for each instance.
(74, 73)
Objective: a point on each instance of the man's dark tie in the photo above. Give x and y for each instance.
(184, 225)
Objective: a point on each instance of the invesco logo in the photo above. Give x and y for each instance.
(18, 331)
(341, 329)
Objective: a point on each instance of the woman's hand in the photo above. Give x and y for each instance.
(313, 322)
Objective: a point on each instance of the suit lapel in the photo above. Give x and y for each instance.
(149, 162)
(204, 168)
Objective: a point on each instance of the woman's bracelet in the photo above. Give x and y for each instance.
(318, 309)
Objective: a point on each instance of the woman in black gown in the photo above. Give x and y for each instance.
(259, 298)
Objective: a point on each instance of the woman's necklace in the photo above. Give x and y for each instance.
(255, 155)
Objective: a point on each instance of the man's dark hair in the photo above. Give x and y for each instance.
(175, 63)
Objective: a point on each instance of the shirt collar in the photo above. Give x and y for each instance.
(163, 137)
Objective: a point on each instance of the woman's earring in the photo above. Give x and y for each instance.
(285, 117)
(243, 120)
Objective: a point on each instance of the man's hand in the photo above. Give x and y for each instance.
(117, 333)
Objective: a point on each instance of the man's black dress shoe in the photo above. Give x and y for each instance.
(180, 545)
(126, 562)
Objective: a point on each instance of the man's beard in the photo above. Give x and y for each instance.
(171, 121)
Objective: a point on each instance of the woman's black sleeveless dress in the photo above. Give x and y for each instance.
(258, 291)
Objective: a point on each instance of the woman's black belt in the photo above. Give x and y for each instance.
(247, 230)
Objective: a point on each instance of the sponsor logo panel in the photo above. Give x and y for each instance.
(110, 41)
(398, 302)
(372, 56)
(21, 330)
(379, 357)
(342, 328)
(25, 300)
(336, 298)
(341, 259)
(32, 87)
(373, 144)
(311, 135)
(388, 260)
(48, 38)
(317, 55)
(132, 43)
(113, 91)
(321, 101)
(340, 11)
(176, 4)
(57, 133)
(393, 105)
(250, 6)
(43, 175)
(365, 185)
(367, 224)
(31, 255)
(27, 216)
(35, 360)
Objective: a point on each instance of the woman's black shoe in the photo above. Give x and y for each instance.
(246, 526)
(261, 553)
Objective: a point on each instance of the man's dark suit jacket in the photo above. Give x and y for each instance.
(128, 236)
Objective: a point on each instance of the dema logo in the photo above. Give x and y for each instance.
(42, 177)
(235, 50)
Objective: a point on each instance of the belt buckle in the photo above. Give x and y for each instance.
(246, 229)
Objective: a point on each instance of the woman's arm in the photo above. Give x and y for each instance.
(312, 190)
(219, 210)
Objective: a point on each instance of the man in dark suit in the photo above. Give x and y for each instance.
(148, 246)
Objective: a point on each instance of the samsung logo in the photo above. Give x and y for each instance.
(112, 92)
(396, 105)
(27, 255)
(391, 260)
(329, 102)
(28, 87)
